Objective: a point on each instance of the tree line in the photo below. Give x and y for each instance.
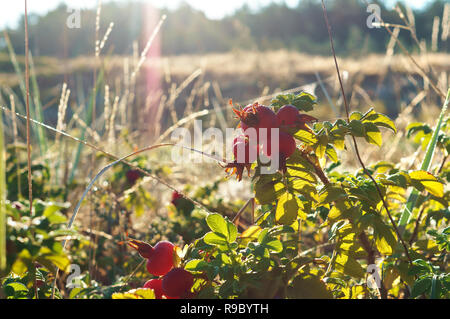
(189, 31)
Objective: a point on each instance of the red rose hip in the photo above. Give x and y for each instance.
(286, 145)
(289, 116)
(177, 283)
(257, 116)
(160, 258)
(244, 151)
(156, 285)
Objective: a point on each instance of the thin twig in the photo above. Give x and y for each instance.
(239, 213)
(27, 75)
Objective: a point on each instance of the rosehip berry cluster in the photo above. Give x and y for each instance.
(175, 282)
(247, 146)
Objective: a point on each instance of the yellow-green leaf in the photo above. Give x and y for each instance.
(348, 265)
(331, 152)
(380, 120)
(373, 134)
(428, 181)
(288, 207)
(330, 193)
(140, 293)
(306, 137)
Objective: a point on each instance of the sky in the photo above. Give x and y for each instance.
(11, 10)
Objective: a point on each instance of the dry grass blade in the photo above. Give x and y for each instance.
(15, 141)
(182, 122)
(435, 34)
(27, 88)
(147, 47)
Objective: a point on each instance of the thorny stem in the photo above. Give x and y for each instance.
(354, 139)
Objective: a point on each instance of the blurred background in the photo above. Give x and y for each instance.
(200, 27)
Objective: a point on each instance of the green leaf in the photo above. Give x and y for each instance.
(219, 225)
(415, 127)
(288, 208)
(385, 238)
(398, 179)
(379, 120)
(308, 287)
(331, 153)
(421, 286)
(306, 137)
(427, 181)
(302, 101)
(330, 193)
(225, 259)
(348, 265)
(384, 244)
(357, 128)
(356, 116)
(22, 263)
(51, 208)
(15, 289)
(215, 239)
(52, 261)
(420, 266)
(268, 188)
(274, 245)
(249, 234)
(372, 134)
(140, 293)
(321, 146)
(196, 265)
